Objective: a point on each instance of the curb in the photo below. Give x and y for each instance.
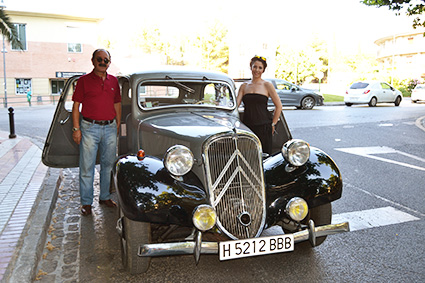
(32, 241)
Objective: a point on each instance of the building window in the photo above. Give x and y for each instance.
(22, 36)
(22, 86)
(57, 87)
(74, 43)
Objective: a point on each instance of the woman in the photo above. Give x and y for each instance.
(255, 95)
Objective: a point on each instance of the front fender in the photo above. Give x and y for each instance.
(148, 193)
(319, 181)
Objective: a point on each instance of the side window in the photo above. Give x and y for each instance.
(283, 85)
(385, 86)
(74, 44)
(218, 94)
(22, 36)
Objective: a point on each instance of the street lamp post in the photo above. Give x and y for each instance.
(4, 72)
(2, 6)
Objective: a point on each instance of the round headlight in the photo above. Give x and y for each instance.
(178, 160)
(296, 152)
(204, 217)
(297, 209)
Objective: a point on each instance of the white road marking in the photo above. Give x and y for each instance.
(371, 218)
(369, 151)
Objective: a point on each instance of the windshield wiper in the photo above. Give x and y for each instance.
(180, 84)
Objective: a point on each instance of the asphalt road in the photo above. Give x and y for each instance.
(381, 154)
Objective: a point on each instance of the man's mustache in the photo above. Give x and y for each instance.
(102, 65)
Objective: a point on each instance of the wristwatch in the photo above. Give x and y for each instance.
(273, 124)
(75, 129)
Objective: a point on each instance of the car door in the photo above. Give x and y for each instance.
(287, 93)
(388, 92)
(60, 151)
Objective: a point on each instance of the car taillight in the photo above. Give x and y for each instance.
(366, 91)
(346, 92)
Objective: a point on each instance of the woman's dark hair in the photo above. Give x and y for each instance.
(100, 49)
(258, 58)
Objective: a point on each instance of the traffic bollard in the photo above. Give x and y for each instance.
(11, 124)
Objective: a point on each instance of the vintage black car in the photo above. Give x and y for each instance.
(192, 179)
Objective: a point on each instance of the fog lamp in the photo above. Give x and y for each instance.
(204, 217)
(297, 209)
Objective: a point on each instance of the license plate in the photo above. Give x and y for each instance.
(256, 246)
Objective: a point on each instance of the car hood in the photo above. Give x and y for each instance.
(158, 134)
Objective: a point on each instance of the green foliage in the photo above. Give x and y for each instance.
(214, 48)
(416, 8)
(299, 66)
(7, 28)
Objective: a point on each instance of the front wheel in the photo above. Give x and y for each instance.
(308, 103)
(134, 234)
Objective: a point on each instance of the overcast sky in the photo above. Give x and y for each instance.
(347, 21)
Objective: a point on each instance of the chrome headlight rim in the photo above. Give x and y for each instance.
(297, 209)
(296, 152)
(178, 160)
(204, 217)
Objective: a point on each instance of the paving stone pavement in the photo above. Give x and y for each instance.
(60, 257)
(60, 260)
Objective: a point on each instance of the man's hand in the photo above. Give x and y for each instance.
(76, 136)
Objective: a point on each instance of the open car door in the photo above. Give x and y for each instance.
(60, 151)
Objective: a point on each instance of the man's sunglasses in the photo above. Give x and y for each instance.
(99, 60)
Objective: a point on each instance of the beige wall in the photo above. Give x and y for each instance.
(47, 38)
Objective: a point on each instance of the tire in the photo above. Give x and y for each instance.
(134, 234)
(373, 101)
(321, 215)
(348, 104)
(397, 101)
(308, 103)
(414, 101)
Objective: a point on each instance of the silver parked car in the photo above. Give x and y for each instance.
(291, 94)
(372, 92)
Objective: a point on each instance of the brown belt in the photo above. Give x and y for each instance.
(99, 122)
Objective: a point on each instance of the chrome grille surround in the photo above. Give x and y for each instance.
(236, 183)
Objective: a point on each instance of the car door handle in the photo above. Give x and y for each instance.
(63, 122)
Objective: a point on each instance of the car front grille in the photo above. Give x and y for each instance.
(236, 184)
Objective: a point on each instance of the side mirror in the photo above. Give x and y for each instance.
(293, 89)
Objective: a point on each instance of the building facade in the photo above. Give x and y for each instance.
(403, 55)
(55, 47)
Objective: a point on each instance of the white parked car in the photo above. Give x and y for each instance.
(418, 93)
(372, 92)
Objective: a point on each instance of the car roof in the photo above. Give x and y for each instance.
(179, 73)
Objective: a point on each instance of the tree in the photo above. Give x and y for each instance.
(299, 66)
(214, 48)
(412, 9)
(7, 28)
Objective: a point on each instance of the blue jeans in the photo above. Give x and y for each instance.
(96, 137)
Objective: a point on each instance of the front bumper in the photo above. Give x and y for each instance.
(198, 247)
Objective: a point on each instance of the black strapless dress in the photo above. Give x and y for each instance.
(258, 118)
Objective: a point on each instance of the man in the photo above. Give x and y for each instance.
(99, 95)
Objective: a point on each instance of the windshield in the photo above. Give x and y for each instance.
(171, 93)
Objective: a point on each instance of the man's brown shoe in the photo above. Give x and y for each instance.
(86, 210)
(108, 203)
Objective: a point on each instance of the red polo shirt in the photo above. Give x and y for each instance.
(97, 96)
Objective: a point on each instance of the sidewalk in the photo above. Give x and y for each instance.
(28, 192)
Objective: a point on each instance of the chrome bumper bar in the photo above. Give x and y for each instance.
(198, 247)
